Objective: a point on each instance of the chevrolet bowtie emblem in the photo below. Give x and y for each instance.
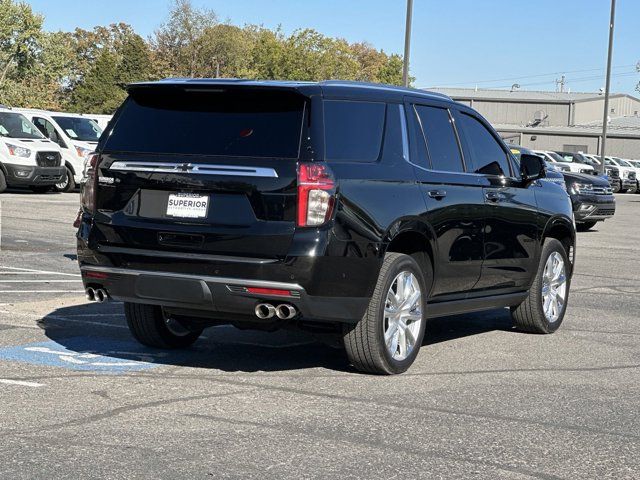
(185, 167)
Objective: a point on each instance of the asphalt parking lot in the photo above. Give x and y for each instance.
(79, 398)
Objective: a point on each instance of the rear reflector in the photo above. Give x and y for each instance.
(98, 275)
(269, 291)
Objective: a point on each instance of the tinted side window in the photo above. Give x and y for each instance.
(442, 144)
(487, 154)
(48, 130)
(353, 130)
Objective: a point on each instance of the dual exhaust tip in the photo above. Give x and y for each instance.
(96, 295)
(284, 311)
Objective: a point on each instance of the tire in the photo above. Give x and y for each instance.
(149, 326)
(530, 315)
(68, 185)
(3, 182)
(365, 341)
(617, 187)
(584, 226)
(40, 188)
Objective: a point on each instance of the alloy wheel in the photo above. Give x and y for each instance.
(554, 287)
(402, 315)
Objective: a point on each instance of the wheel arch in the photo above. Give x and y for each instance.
(563, 230)
(68, 164)
(412, 236)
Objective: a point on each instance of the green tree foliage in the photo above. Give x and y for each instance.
(86, 70)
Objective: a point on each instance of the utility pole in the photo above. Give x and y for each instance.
(606, 88)
(407, 44)
(560, 84)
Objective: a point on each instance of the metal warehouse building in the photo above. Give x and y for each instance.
(557, 120)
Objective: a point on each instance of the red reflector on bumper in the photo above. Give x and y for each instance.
(98, 275)
(269, 291)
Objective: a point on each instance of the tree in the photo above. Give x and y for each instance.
(101, 88)
(86, 70)
(176, 42)
(99, 91)
(20, 32)
(224, 50)
(135, 60)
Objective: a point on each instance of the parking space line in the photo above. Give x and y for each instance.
(8, 381)
(42, 291)
(43, 272)
(41, 281)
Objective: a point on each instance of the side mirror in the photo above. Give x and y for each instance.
(532, 167)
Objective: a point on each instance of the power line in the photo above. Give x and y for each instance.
(572, 80)
(536, 75)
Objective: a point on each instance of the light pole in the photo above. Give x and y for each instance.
(407, 44)
(607, 86)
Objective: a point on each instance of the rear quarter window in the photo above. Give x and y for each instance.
(353, 130)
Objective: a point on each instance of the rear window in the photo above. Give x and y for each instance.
(242, 123)
(353, 130)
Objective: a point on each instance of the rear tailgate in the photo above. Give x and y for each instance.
(202, 170)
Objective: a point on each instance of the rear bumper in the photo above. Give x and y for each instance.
(24, 176)
(217, 297)
(589, 208)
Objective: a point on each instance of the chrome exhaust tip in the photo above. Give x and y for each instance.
(101, 295)
(284, 311)
(265, 310)
(90, 293)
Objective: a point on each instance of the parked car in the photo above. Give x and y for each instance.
(76, 135)
(355, 207)
(552, 160)
(612, 173)
(27, 158)
(635, 164)
(628, 180)
(577, 162)
(591, 196)
(627, 163)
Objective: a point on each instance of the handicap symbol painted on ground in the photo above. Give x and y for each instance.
(86, 353)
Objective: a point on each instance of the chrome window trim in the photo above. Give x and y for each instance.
(405, 133)
(405, 152)
(194, 168)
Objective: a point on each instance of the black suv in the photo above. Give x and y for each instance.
(358, 208)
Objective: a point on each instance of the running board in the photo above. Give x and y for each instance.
(458, 307)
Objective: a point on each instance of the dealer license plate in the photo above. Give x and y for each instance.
(187, 205)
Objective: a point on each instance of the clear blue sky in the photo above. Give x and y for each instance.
(455, 42)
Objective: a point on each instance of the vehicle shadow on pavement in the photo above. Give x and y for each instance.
(444, 329)
(100, 330)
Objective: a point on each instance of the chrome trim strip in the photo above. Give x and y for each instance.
(183, 255)
(206, 278)
(404, 133)
(196, 168)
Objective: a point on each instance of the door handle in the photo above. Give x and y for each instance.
(492, 196)
(437, 194)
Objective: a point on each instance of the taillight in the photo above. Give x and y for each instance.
(88, 197)
(316, 194)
